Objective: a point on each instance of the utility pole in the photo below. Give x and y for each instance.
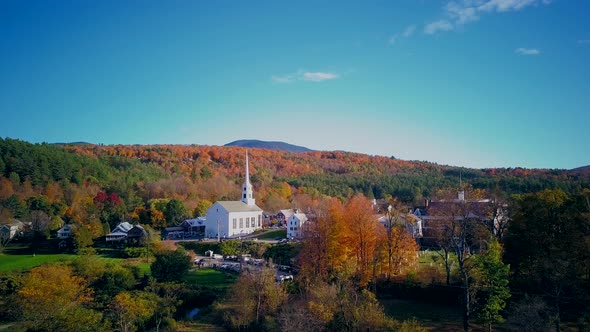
(218, 234)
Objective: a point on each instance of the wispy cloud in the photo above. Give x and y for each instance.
(460, 12)
(407, 33)
(527, 51)
(583, 41)
(434, 27)
(302, 75)
(319, 76)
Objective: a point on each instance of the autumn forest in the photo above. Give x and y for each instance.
(525, 267)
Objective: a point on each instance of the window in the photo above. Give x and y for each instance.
(259, 216)
(247, 222)
(241, 222)
(235, 223)
(244, 195)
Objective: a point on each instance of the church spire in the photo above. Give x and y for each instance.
(247, 192)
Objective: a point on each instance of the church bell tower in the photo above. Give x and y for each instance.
(247, 193)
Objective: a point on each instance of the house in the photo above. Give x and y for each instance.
(283, 215)
(295, 225)
(434, 212)
(65, 232)
(189, 228)
(11, 230)
(412, 223)
(229, 219)
(137, 235)
(119, 233)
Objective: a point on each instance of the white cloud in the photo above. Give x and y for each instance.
(304, 76)
(506, 5)
(319, 76)
(407, 33)
(527, 51)
(440, 25)
(393, 39)
(461, 12)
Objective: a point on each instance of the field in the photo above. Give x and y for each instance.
(25, 262)
(272, 235)
(210, 278)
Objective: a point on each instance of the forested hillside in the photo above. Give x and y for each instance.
(140, 175)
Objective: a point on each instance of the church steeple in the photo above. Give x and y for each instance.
(247, 192)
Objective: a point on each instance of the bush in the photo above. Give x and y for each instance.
(171, 265)
(134, 252)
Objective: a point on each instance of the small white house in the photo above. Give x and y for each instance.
(295, 225)
(65, 232)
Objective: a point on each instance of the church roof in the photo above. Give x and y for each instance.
(238, 206)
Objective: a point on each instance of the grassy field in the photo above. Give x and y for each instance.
(211, 278)
(279, 233)
(25, 262)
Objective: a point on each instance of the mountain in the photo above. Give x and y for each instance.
(72, 143)
(278, 146)
(583, 170)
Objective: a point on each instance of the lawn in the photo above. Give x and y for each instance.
(435, 317)
(210, 278)
(25, 262)
(279, 233)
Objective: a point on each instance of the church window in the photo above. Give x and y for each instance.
(259, 220)
(241, 222)
(244, 195)
(235, 223)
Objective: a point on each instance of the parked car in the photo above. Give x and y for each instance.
(284, 278)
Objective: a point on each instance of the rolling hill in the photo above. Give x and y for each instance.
(277, 146)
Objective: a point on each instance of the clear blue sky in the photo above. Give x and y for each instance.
(477, 83)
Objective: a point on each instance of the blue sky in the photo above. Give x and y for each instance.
(476, 83)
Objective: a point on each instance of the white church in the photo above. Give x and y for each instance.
(231, 219)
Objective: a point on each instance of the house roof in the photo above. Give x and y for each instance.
(13, 223)
(287, 212)
(238, 206)
(195, 222)
(67, 228)
(123, 227)
(300, 216)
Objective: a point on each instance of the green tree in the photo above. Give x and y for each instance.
(547, 246)
(114, 279)
(168, 300)
(491, 279)
(82, 236)
(201, 209)
(131, 310)
(254, 297)
(230, 247)
(175, 212)
(170, 265)
(16, 207)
